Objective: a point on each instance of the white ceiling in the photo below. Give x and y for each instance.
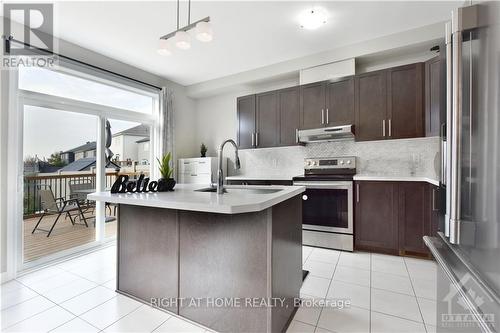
(247, 35)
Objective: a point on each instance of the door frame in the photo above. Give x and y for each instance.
(18, 99)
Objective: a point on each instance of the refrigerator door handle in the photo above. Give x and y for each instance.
(449, 128)
(456, 134)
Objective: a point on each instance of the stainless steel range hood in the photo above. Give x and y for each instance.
(336, 133)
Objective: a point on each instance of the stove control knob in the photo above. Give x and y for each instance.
(348, 161)
(341, 162)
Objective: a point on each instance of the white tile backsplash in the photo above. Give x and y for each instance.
(406, 157)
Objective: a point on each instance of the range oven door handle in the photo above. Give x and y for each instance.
(340, 185)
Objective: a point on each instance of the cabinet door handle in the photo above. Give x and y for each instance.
(253, 139)
(434, 209)
(322, 116)
(256, 139)
(296, 135)
(327, 116)
(390, 127)
(383, 127)
(357, 192)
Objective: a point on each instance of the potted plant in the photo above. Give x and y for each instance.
(203, 150)
(166, 182)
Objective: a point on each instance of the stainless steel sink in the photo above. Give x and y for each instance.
(241, 190)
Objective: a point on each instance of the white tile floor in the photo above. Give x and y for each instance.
(387, 293)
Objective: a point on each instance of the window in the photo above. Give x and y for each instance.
(49, 138)
(60, 145)
(69, 86)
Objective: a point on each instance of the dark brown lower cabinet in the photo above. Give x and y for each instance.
(414, 219)
(392, 217)
(375, 226)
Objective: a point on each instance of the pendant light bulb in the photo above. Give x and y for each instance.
(204, 32)
(164, 48)
(182, 40)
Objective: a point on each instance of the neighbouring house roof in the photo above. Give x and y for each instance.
(80, 165)
(140, 130)
(90, 145)
(84, 164)
(142, 140)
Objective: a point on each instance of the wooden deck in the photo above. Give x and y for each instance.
(64, 236)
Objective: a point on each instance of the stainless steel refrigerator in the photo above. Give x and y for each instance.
(467, 248)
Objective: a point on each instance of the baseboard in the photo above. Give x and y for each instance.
(4, 277)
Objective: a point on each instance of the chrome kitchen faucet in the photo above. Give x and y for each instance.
(220, 174)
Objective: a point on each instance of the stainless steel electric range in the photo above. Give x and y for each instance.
(327, 203)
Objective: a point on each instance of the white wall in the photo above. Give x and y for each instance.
(184, 123)
(215, 116)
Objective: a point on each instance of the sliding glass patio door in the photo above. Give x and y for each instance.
(61, 124)
(59, 170)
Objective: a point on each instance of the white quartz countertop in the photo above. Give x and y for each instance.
(356, 177)
(184, 197)
(397, 179)
(260, 177)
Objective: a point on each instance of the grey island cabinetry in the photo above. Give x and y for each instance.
(231, 262)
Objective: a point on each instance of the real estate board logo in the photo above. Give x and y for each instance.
(458, 314)
(29, 29)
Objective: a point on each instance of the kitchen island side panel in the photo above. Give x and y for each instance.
(286, 258)
(225, 257)
(148, 245)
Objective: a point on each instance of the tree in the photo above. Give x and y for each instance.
(56, 160)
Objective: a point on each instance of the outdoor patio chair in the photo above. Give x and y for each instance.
(77, 191)
(57, 206)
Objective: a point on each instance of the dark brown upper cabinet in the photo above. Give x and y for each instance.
(312, 105)
(371, 106)
(390, 103)
(376, 216)
(246, 121)
(267, 120)
(289, 115)
(324, 104)
(405, 102)
(340, 102)
(385, 104)
(435, 95)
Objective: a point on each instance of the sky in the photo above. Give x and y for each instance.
(47, 131)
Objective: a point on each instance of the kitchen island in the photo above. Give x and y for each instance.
(231, 262)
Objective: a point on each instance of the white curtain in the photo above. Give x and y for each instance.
(166, 139)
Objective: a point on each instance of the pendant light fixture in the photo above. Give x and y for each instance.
(181, 38)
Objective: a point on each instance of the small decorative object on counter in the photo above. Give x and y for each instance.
(123, 185)
(166, 182)
(203, 150)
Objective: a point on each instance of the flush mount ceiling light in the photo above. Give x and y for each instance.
(313, 18)
(181, 38)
